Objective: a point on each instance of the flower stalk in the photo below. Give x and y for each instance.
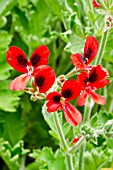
(60, 132)
(102, 48)
(88, 106)
(68, 156)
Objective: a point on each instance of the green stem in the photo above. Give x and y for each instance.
(22, 163)
(60, 132)
(86, 118)
(71, 73)
(87, 110)
(69, 161)
(103, 4)
(69, 157)
(102, 48)
(90, 3)
(81, 157)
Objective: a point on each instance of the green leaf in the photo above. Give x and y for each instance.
(6, 6)
(11, 158)
(13, 124)
(3, 21)
(46, 159)
(9, 100)
(94, 160)
(93, 120)
(66, 128)
(75, 44)
(57, 6)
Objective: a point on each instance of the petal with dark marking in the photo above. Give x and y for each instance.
(17, 59)
(97, 76)
(44, 78)
(71, 89)
(90, 49)
(40, 56)
(83, 79)
(53, 101)
(78, 61)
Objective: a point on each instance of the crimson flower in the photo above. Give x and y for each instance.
(56, 101)
(92, 80)
(18, 60)
(90, 50)
(96, 4)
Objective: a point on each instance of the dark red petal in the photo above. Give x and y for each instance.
(40, 56)
(96, 4)
(82, 99)
(90, 49)
(76, 139)
(54, 107)
(20, 82)
(72, 115)
(96, 97)
(78, 61)
(44, 78)
(96, 76)
(100, 84)
(17, 59)
(53, 104)
(71, 89)
(98, 71)
(82, 79)
(52, 95)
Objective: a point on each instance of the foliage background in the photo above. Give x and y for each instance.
(63, 26)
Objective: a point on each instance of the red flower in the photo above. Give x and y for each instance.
(92, 80)
(18, 60)
(96, 4)
(44, 77)
(90, 50)
(57, 101)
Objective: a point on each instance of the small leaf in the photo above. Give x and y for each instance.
(94, 120)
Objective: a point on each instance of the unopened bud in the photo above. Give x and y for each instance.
(29, 90)
(108, 22)
(33, 98)
(61, 79)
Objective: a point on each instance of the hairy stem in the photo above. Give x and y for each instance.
(69, 157)
(86, 118)
(69, 161)
(60, 132)
(87, 110)
(71, 73)
(102, 48)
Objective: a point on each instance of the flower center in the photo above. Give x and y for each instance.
(30, 70)
(62, 100)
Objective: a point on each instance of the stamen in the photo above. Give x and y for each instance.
(30, 70)
(62, 100)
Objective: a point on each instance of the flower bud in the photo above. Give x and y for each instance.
(108, 22)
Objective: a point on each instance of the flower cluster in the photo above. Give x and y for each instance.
(88, 80)
(42, 75)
